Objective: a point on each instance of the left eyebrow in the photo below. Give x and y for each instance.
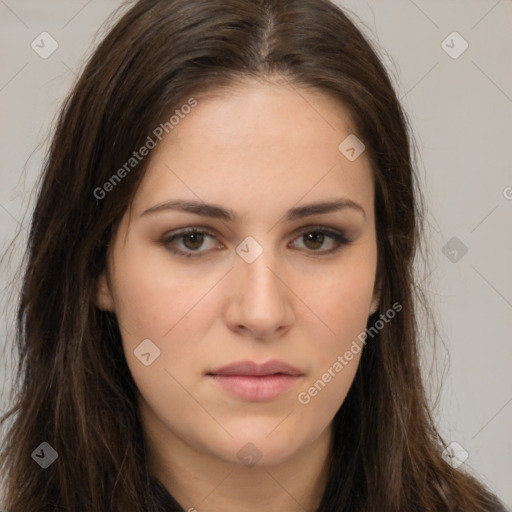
(324, 207)
(218, 212)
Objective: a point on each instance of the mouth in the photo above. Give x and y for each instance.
(256, 382)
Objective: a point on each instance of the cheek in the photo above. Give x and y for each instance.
(341, 300)
(151, 303)
(174, 311)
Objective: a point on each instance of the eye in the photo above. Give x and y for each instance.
(315, 238)
(188, 242)
(191, 241)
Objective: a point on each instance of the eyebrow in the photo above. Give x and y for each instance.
(218, 212)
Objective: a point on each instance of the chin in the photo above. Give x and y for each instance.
(260, 443)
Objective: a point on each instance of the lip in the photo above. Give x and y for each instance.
(253, 369)
(256, 382)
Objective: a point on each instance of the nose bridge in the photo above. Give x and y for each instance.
(258, 272)
(260, 301)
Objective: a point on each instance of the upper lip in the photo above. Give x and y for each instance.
(272, 367)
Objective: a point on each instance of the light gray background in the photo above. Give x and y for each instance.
(460, 110)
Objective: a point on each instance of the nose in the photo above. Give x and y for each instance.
(260, 300)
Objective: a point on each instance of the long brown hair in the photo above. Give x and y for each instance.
(74, 389)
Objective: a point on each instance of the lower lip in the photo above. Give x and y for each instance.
(256, 388)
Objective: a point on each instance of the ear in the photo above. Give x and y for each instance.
(374, 305)
(103, 296)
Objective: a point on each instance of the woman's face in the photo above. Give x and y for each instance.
(267, 278)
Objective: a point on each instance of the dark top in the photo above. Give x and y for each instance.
(165, 501)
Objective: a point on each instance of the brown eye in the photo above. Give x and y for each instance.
(321, 240)
(193, 240)
(189, 243)
(313, 240)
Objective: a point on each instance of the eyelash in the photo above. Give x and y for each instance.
(339, 239)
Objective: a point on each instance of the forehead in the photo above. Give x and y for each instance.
(257, 147)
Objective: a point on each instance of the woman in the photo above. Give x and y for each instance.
(218, 310)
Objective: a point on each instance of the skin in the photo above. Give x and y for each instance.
(259, 149)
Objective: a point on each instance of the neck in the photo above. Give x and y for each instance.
(201, 482)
